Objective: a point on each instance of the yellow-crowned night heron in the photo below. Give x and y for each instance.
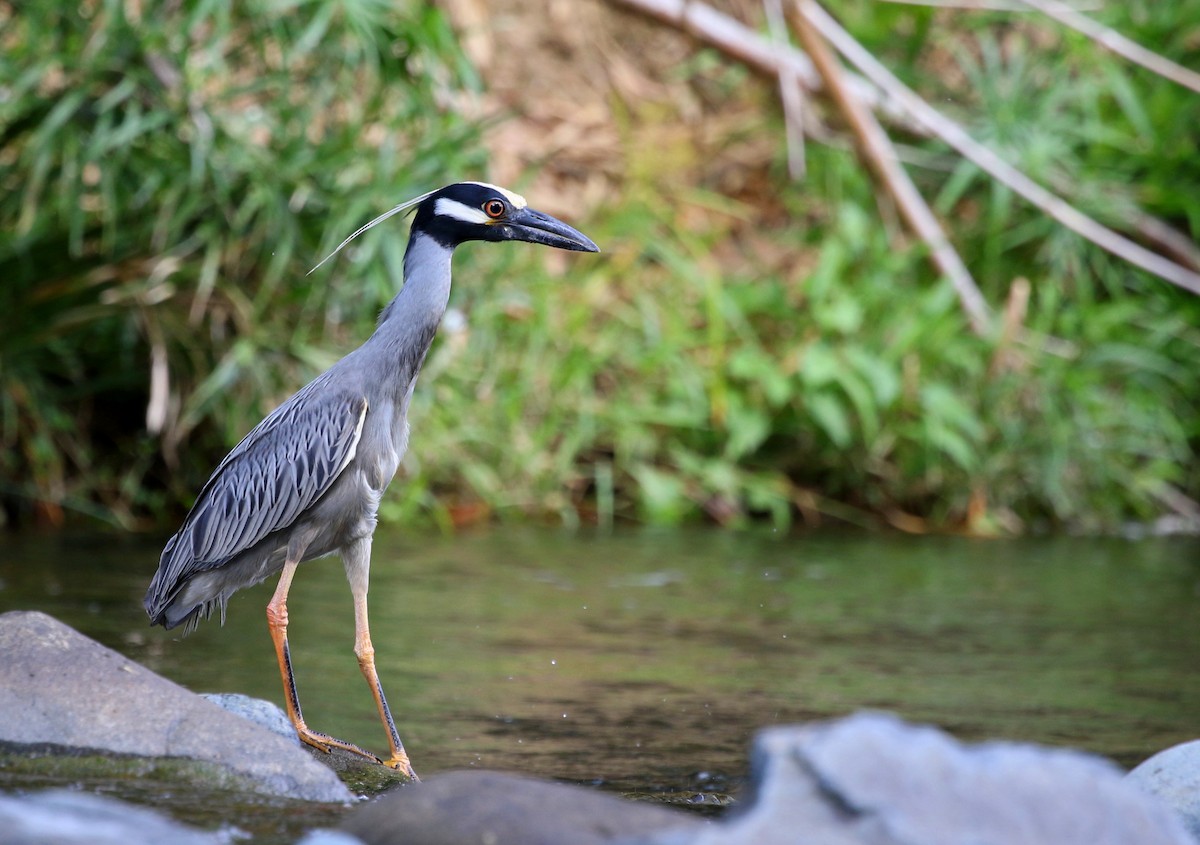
(307, 480)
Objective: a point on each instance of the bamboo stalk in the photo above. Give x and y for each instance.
(876, 147)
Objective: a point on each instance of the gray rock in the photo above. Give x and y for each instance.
(61, 817)
(329, 837)
(60, 690)
(363, 776)
(500, 809)
(874, 780)
(264, 713)
(1173, 776)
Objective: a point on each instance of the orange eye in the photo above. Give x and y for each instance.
(493, 208)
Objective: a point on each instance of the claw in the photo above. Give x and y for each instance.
(401, 763)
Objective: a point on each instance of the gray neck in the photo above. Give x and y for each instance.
(407, 325)
(426, 282)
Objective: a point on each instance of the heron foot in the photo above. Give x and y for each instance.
(399, 761)
(326, 743)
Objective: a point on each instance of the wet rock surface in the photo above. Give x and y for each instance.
(361, 776)
(503, 809)
(869, 779)
(63, 693)
(872, 779)
(63, 817)
(263, 713)
(1173, 776)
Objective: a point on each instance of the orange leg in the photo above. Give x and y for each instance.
(357, 559)
(277, 622)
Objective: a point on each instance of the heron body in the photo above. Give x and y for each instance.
(306, 482)
(313, 472)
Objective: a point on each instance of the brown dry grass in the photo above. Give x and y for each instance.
(588, 101)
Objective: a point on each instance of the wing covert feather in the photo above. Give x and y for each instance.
(278, 471)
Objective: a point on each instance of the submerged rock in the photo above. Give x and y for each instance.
(871, 778)
(501, 809)
(62, 693)
(62, 817)
(1173, 776)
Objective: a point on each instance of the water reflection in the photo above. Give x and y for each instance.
(645, 661)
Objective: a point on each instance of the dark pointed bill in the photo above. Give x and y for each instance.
(527, 224)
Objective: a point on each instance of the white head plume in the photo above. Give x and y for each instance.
(404, 206)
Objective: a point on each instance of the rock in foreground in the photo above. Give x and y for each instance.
(501, 809)
(871, 779)
(62, 817)
(62, 691)
(1173, 776)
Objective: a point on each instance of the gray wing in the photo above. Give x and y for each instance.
(279, 470)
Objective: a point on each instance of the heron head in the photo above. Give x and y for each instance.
(477, 211)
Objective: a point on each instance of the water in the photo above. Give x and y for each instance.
(643, 662)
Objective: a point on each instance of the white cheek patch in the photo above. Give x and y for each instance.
(456, 210)
(515, 200)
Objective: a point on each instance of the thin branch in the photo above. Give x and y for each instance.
(877, 149)
(735, 39)
(909, 111)
(790, 92)
(984, 5)
(1152, 230)
(1178, 501)
(989, 161)
(1169, 239)
(1115, 42)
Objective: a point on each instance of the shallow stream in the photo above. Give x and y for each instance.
(643, 662)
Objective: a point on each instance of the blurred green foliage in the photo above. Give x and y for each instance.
(167, 181)
(164, 182)
(849, 386)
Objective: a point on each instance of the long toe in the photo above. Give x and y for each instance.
(326, 743)
(314, 739)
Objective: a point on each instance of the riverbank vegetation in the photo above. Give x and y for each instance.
(748, 346)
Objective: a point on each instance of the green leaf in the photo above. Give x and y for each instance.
(748, 427)
(881, 375)
(953, 445)
(830, 416)
(663, 496)
(841, 314)
(863, 401)
(819, 365)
